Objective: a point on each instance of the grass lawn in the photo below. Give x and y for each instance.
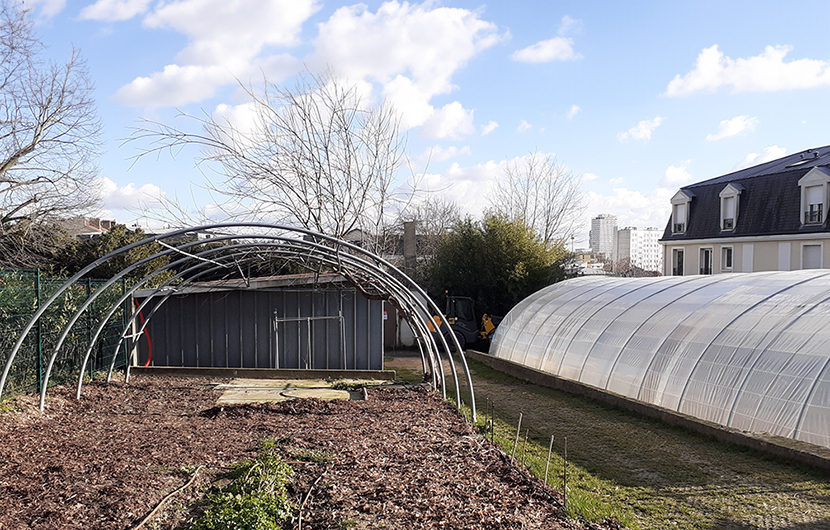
(644, 473)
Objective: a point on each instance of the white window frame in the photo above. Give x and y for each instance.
(678, 225)
(820, 245)
(731, 191)
(814, 177)
(723, 249)
(700, 252)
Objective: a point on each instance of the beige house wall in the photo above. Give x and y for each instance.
(768, 254)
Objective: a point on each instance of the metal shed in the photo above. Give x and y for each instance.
(306, 321)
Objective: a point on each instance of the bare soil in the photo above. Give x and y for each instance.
(401, 459)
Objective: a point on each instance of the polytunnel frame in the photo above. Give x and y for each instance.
(293, 241)
(402, 290)
(259, 237)
(377, 275)
(422, 331)
(202, 262)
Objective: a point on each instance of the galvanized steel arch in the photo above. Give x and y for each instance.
(747, 351)
(340, 252)
(400, 291)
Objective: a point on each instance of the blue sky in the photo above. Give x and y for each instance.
(636, 98)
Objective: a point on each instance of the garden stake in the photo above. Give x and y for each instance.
(516, 441)
(524, 447)
(492, 423)
(547, 465)
(565, 474)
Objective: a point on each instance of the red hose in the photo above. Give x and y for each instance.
(146, 334)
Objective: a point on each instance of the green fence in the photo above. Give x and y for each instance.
(21, 293)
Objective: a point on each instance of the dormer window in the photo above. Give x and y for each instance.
(729, 198)
(814, 193)
(680, 211)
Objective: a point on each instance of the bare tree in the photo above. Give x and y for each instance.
(435, 216)
(542, 193)
(48, 138)
(317, 156)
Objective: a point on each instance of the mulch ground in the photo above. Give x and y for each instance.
(401, 459)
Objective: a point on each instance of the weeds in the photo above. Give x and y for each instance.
(256, 499)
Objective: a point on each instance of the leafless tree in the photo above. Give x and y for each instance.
(434, 217)
(542, 193)
(317, 156)
(48, 138)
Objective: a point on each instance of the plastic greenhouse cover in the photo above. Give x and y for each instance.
(749, 351)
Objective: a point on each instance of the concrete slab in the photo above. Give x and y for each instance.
(262, 390)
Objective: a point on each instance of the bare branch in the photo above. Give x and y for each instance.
(317, 156)
(540, 192)
(48, 131)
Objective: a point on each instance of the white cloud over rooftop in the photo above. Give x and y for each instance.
(766, 72)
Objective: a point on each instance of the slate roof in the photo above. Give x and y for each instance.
(770, 202)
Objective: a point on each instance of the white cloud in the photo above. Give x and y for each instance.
(466, 186)
(48, 8)
(555, 49)
(524, 126)
(176, 85)
(569, 24)
(225, 43)
(231, 33)
(439, 154)
(573, 111)
(129, 197)
(767, 72)
(641, 131)
(588, 177)
(450, 121)
(490, 127)
(632, 208)
(753, 159)
(676, 176)
(616, 181)
(733, 127)
(114, 10)
(411, 50)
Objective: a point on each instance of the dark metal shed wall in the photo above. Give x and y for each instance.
(267, 329)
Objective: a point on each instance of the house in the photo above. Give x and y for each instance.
(768, 217)
(85, 227)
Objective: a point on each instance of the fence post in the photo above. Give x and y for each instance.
(39, 336)
(89, 327)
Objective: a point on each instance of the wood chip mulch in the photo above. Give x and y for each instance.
(401, 459)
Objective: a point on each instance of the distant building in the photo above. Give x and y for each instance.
(86, 227)
(641, 246)
(603, 237)
(769, 217)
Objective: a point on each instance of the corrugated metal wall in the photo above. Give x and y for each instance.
(298, 328)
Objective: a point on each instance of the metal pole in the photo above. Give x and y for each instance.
(89, 326)
(39, 337)
(547, 465)
(516, 441)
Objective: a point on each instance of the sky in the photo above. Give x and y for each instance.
(635, 98)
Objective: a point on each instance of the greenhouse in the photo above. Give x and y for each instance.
(747, 351)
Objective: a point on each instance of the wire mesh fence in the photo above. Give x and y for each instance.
(22, 291)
